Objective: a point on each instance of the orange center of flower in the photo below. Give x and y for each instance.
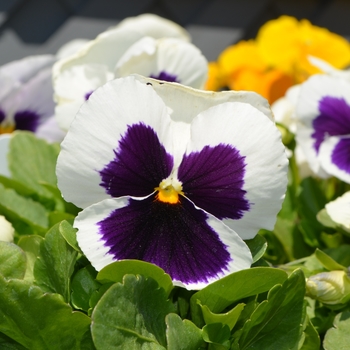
(169, 191)
(6, 129)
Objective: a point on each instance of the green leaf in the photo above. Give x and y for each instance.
(17, 186)
(7, 343)
(329, 263)
(257, 246)
(338, 337)
(325, 219)
(12, 260)
(224, 292)
(115, 272)
(58, 216)
(38, 320)
(229, 318)
(54, 266)
(32, 161)
(131, 316)
(31, 247)
(182, 334)
(69, 233)
(83, 285)
(277, 322)
(218, 335)
(312, 338)
(19, 208)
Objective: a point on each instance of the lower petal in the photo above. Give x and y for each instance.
(191, 245)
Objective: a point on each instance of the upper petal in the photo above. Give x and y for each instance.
(155, 26)
(166, 59)
(194, 101)
(96, 136)
(236, 167)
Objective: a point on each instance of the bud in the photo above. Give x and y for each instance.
(329, 287)
(6, 230)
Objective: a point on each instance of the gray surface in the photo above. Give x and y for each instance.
(210, 40)
(30, 27)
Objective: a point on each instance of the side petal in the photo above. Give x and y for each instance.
(192, 246)
(106, 127)
(238, 171)
(335, 157)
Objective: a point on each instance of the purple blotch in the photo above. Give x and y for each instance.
(2, 116)
(27, 120)
(213, 179)
(171, 78)
(88, 94)
(175, 237)
(334, 119)
(139, 165)
(341, 155)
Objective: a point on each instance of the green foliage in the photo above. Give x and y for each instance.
(52, 298)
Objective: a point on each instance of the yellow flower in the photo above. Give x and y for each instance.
(286, 43)
(241, 67)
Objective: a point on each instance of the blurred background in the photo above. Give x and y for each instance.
(41, 26)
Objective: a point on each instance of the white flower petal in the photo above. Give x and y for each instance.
(171, 57)
(6, 230)
(4, 148)
(246, 129)
(339, 210)
(157, 27)
(194, 101)
(95, 132)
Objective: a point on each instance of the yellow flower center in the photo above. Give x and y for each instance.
(6, 128)
(169, 191)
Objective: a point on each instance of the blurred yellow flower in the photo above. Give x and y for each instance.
(286, 43)
(277, 58)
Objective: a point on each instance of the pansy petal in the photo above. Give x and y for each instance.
(339, 210)
(74, 86)
(157, 27)
(26, 68)
(241, 173)
(192, 246)
(32, 103)
(322, 109)
(106, 128)
(4, 148)
(50, 131)
(335, 157)
(106, 49)
(168, 59)
(194, 101)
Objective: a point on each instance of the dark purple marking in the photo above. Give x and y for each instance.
(334, 119)
(341, 155)
(2, 116)
(88, 94)
(171, 78)
(175, 237)
(213, 179)
(139, 165)
(27, 120)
